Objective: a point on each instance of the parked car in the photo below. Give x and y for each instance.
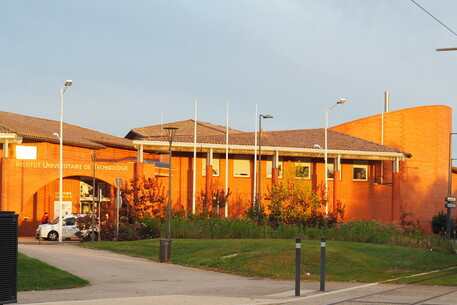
(70, 227)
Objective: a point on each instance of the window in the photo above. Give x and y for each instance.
(302, 170)
(69, 221)
(360, 172)
(242, 166)
(270, 167)
(215, 167)
(330, 171)
(26, 152)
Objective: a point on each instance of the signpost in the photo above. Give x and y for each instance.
(118, 204)
(450, 203)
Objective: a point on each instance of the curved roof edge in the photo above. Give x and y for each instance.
(396, 111)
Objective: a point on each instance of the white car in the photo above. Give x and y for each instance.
(69, 228)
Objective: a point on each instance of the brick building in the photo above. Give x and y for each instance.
(380, 167)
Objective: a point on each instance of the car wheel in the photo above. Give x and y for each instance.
(53, 235)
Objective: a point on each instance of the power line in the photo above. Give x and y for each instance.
(434, 17)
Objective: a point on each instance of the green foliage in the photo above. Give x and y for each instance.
(295, 202)
(149, 227)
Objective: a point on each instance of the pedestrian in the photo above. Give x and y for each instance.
(45, 218)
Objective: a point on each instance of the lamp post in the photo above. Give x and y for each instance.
(341, 101)
(448, 203)
(67, 84)
(259, 175)
(165, 245)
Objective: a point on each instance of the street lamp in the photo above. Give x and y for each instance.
(259, 175)
(341, 101)
(67, 84)
(165, 245)
(448, 200)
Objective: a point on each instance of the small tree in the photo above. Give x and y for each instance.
(145, 197)
(212, 204)
(295, 202)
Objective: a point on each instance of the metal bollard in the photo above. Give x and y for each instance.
(297, 265)
(39, 236)
(322, 263)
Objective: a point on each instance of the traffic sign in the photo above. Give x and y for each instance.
(450, 205)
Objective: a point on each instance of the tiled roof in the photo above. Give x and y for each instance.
(41, 129)
(185, 128)
(300, 138)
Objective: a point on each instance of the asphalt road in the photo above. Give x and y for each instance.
(119, 279)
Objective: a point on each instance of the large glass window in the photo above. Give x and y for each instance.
(302, 170)
(215, 166)
(330, 170)
(360, 172)
(270, 167)
(242, 166)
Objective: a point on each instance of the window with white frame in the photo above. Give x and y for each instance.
(26, 152)
(242, 166)
(215, 166)
(270, 167)
(302, 170)
(330, 171)
(360, 172)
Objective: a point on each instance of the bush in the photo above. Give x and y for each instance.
(439, 224)
(149, 227)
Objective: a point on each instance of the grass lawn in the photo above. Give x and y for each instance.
(275, 258)
(36, 275)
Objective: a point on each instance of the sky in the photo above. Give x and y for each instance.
(135, 62)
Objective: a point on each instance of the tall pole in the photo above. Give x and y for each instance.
(449, 189)
(92, 237)
(259, 199)
(226, 159)
(169, 193)
(170, 133)
(62, 93)
(259, 181)
(194, 172)
(254, 184)
(327, 110)
(325, 160)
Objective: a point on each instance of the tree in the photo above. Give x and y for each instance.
(144, 197)
(295, 202)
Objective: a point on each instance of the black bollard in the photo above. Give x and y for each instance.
(297, 265)
(322, 263)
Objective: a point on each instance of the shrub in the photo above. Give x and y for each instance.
(149, 227)
(439, 224)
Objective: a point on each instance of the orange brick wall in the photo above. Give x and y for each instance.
(29, 187)
(424, 133)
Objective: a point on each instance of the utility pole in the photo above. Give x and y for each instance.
(449, 200)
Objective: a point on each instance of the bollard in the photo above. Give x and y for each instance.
(39, 236)
(322, 263)
(297, 265)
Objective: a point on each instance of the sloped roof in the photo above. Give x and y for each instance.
(33, 128)
(300, 138)
(185, 128)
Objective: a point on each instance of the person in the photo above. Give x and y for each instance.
(45, 218)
